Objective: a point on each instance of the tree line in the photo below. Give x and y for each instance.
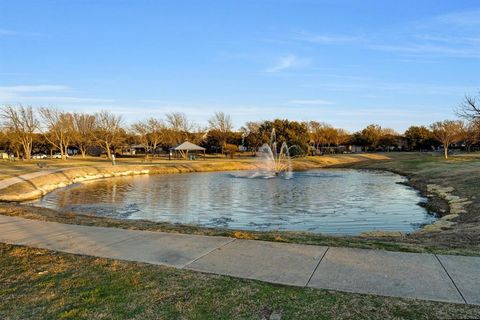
(25, 130)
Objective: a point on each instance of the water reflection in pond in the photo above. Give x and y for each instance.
(323, 201)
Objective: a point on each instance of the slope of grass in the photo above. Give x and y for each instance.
(39, 284)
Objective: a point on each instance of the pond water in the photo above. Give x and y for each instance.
(323, 201)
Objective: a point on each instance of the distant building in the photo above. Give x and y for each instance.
(354, 148)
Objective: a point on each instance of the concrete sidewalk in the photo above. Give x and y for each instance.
(409, 275)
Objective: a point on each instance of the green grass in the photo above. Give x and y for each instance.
(462, 172)
(39, 284)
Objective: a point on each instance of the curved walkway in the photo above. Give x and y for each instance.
(409, 275)
(25, 177)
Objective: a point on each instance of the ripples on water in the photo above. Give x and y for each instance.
(322, 201)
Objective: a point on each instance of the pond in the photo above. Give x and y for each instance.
(343, 202)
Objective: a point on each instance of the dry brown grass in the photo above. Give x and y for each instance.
(40, 284)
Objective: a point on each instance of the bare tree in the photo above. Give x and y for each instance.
(84, 128)
(447, 132)
(108, 130)
(222, 124)
(140, 130)
(180, 126)
(22, 124)
(156, 133)
(341, 136)
(315, 132)
(322, 134)
(471, 133)
(469, 109)
(59, 129)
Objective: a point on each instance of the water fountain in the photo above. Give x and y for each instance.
(274, 161)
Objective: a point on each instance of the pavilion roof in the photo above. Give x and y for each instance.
(188, 146)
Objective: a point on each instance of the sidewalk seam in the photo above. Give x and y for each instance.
(123, 240)
(26, 241)
(316, 267)
(451, 279)
(206, 254)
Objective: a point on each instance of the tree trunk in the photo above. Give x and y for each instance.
(27, 150)
(61, 151)
(154, 149)
(107, 148)
(65, 152)
(445, 148)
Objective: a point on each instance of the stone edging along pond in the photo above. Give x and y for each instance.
(39, 186)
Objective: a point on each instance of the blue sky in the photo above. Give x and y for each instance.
(349, 63)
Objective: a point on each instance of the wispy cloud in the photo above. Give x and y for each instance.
(326, 38)
(67, 100)
(287, 62)
(469, 18)
(431, 49)
(14, 94)
(12, 74)
(42, 95)
(310, 102)
(13, 33)
(33, 88)
(453, 34)
(399, 88)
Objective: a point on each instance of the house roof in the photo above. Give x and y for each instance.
(188, 146)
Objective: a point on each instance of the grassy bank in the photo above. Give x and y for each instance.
(452, 187)
(39, 284)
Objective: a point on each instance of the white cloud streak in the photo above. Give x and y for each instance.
(14, 33)
(327, 39)
(314, 102)
(287, 62)
(41, 95)
(33, 88)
